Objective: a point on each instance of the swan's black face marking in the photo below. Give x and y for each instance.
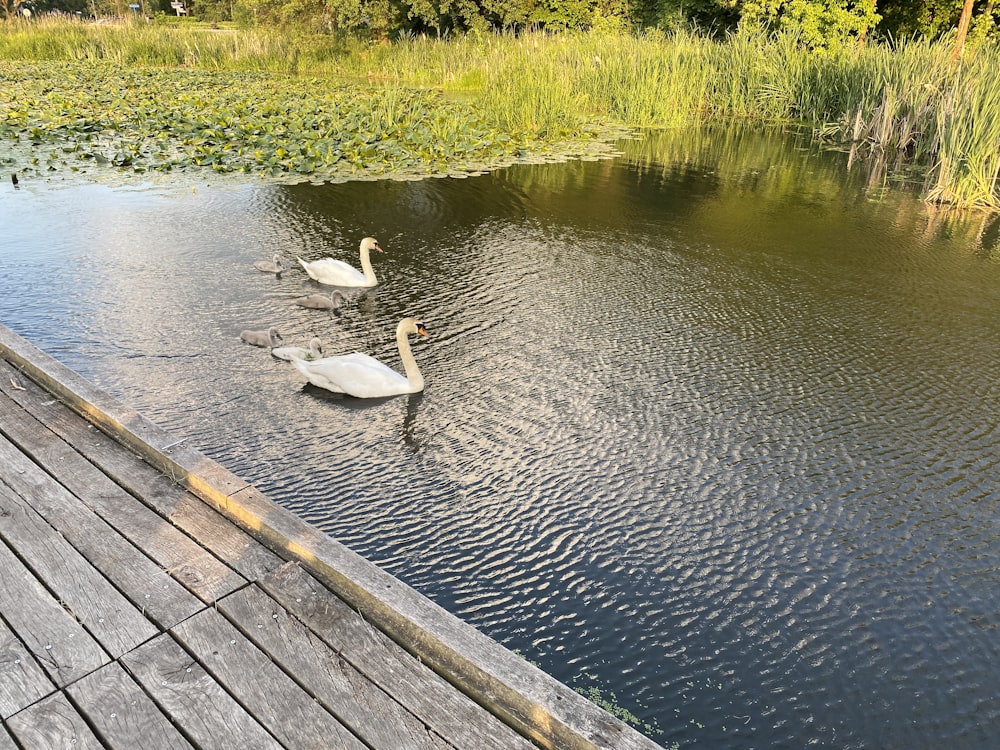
(377, 246)
(421, 330)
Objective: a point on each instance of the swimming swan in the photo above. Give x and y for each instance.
(365, 377)
(270, 266)
(321, 301)
(339, 273)
(315, 351)
(270, 337)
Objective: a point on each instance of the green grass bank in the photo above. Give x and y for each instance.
(430, 106)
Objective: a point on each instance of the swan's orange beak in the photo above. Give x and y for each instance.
(421, 330)
(378, 247)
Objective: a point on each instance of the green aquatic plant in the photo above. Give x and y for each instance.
(489, 98)
(610, 703)
(86, 117)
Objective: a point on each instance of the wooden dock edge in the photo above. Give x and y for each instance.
(534, 703)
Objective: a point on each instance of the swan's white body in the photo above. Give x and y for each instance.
(363, 376)
(269, 338)
(270, 266)
(315, 351)
(338, 273)
(320, 301)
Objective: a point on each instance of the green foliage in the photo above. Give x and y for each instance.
(73, 116)
(381, 19)
(533, 94)
(819, 23)
(711, 17)
(903, 19)
(968, 130)
(907, 101)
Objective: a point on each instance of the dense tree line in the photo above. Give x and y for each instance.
(819, 22)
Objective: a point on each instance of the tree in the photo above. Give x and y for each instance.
(708, 16)
(963, 30)
(934, 18)
(820, 23)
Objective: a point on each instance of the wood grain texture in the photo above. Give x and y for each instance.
(143, 581)
(518, 693)
(196, 703)
(433, 700)
(166, 545)
(289, 713)
(172, 501)
(357, 702)
(49, 633)
(6, 741)
(22, 680)
(521, 695)
(123, 715)
(53, 723)
(96, 603)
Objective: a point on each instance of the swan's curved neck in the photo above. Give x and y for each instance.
(366, 266)
(413, 376)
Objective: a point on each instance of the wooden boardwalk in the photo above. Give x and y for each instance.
(150, 599)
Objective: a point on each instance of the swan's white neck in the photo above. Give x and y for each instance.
(413, 376)
(366, 266)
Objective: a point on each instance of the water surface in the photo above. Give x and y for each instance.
(710, 427)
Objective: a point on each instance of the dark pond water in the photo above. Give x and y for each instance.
(710, 427)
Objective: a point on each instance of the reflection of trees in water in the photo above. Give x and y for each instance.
(784, 164)
(702, 173)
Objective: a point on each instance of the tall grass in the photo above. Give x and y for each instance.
(894, 101)
(968, 134)
(137, 43)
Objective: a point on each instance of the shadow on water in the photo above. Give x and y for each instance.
(710, 426)
(410, 422)
(351, 403)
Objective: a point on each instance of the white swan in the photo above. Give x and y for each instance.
(365, 377)
(321, 301)
(270, 337)
(339, 273)
(315, 351)
(270, 266)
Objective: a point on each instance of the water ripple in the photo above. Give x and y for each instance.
(734, 458)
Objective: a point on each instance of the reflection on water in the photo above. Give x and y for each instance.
(711, 426)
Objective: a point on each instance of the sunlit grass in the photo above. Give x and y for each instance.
(88, 116)
(906, 100)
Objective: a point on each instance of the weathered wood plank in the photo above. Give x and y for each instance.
(186, 465)
(122, 713)
(22, 680)
(288, 712)
(520, 694)
(53, 723)
(193, 700)
(141, 579)
(212, 530)
(6, 741)
(369, 711)
(434, 701)
(191, 564)
(56, 640)
(98, 605)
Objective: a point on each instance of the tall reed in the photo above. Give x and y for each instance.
(968, 131)
(904, 100)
